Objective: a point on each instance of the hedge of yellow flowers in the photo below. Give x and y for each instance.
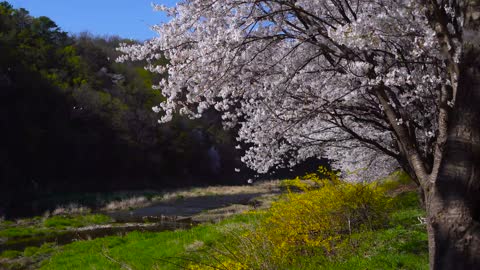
(318, 212)
(326, 211)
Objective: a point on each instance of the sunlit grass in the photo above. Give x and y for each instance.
(62, 222)
(142, 250)
(401, 243)
(41, 226)
(238, 242)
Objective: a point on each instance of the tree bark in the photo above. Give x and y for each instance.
(453, 232)
(453, 198)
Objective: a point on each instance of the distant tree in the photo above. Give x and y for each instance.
(370, 84)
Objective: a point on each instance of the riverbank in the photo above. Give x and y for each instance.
(248, 240)
(200, 204)
(244, 236)
(26, 242)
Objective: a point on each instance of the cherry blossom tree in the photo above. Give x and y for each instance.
(372, 85)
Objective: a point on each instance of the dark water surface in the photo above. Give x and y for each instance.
(159, 217)
(182, 208)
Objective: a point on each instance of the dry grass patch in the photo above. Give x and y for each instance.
(262, 187)
(128, 203)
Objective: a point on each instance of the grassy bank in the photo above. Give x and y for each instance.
(24, 232)
(144, 250)
(305, 228)
(27, 228)
(25, 236)
(398, 242)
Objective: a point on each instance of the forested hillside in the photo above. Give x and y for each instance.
(72, 119)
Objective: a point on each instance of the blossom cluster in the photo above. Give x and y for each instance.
(298, 78)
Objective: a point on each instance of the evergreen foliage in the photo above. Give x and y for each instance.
(74, 120)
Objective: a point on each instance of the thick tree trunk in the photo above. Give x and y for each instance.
(453, 199)
(453, 232)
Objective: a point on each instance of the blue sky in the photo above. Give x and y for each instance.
(126, 18)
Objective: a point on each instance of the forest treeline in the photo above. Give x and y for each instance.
(72, 119)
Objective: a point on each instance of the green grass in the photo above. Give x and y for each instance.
(6, 223)
(37, 227)
(406, 200)
(141, 250)
(395, 180)
(62, 222)
(10, 254)
(22, 232)
(45, 249)
(393, 248)
(401, 245)
(28, 259)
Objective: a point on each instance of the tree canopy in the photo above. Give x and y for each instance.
(338, 79)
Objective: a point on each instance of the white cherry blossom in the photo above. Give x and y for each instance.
(301, 79)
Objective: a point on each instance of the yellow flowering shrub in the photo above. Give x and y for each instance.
(312, 181)
(326, 210)
(224, 264)
(318, 212)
